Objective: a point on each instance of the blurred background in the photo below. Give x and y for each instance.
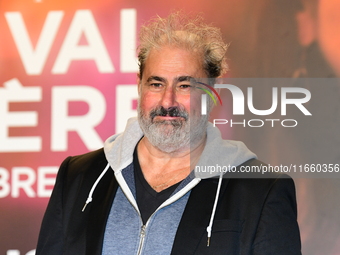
(68, 82)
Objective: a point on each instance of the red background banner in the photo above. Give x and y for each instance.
(68, 82)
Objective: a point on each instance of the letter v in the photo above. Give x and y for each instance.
(34, 59)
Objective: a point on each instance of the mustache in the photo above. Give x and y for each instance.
(171, 112)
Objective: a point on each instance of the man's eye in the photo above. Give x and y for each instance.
(184, 87)
(156, 86)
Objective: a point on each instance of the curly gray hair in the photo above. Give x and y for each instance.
(188, 33)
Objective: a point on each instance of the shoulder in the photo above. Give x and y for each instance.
(255, 179)
(89, 158)
(257, 171)
(86, 166)
(81, 163)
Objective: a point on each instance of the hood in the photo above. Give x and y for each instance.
(220, 154)
(217, 152)
(119, 148)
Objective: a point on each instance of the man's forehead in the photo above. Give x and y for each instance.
(174, 59)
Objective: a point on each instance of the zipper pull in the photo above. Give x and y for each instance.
(141, 242)
(142, 231)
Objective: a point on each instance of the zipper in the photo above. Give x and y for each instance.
(141, 241)
(126, 190)
(143, 231)
(166, 203)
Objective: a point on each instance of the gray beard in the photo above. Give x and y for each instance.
(173, 135)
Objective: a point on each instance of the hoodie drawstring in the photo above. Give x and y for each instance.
(209, 228)
(89, 198)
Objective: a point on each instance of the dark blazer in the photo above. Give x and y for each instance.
(253, 216)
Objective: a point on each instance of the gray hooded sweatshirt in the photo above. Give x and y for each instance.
(125, 232)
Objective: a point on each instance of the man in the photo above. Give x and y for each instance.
(140, 192)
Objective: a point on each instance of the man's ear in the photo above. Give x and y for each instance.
(307, 28)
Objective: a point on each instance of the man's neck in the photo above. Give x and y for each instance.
(162, 169)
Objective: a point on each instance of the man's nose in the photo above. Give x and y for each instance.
(169, 98)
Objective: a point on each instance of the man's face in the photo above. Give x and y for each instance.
(168, 101)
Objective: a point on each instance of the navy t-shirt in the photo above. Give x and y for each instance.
(148, 200)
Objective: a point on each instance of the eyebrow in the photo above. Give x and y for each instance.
(177, 79)
(155, 78)
(184, 78)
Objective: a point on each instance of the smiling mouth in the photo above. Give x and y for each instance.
(171, 113)
(168, 117)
